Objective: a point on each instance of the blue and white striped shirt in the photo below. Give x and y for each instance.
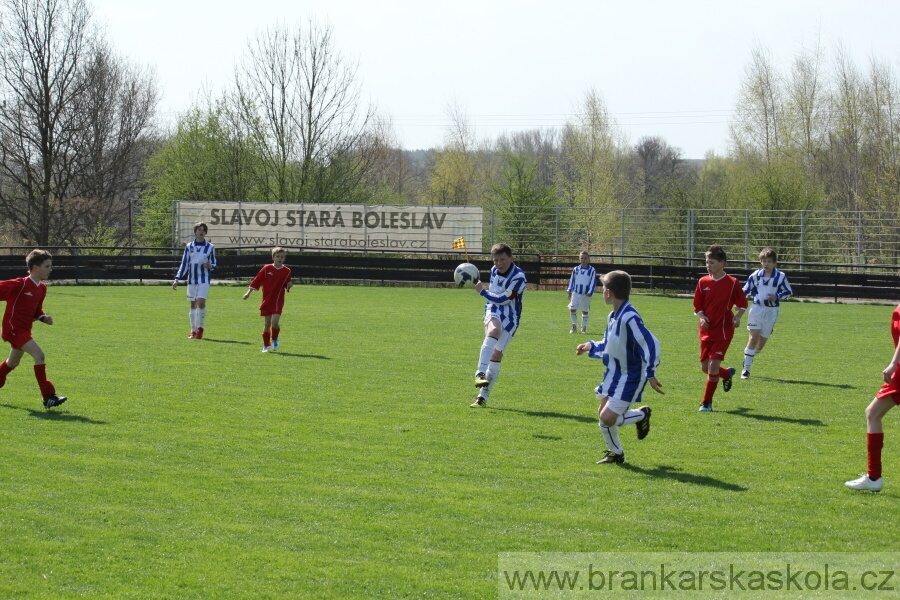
(583, 280)
(759, 286)
(630, 353)
(504, 296)
(195, 254)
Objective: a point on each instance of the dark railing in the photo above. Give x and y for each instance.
(668, 275)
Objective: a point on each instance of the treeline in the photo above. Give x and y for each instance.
(84, 163)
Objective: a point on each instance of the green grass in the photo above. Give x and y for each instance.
(349, 464)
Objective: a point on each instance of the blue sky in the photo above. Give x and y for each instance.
(669, 68)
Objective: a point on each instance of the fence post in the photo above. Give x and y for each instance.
(746, 236)
(556, 247)
(622, 243)
(859, 240)
(802, 236)
(690, 234)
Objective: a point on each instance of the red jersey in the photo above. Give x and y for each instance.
(716, 299)
(24, 304)
(273, 283)
(892, 389)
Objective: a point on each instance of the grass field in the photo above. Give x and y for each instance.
(348, 464)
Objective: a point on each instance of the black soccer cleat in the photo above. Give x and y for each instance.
(611, 457)
(53, 401)
(643, 426)
(726, 383)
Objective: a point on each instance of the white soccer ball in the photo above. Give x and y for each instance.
(466, 275)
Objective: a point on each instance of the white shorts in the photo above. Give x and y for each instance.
(763, 318)
(505, 336)
(617, 406)
(197, 291)
(580, 302)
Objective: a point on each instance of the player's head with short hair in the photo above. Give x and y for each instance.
(768, 253)
(278, 250)
(584, 257)
(716, 252)
(201, 225)
(618, 283)
(36, 258)
(501, 248)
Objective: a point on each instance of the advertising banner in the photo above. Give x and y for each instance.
(332, 226)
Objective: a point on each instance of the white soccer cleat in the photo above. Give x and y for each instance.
(864, 483)
(573, 330)
(265, 348)
(274, 345)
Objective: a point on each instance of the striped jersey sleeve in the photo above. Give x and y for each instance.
(759, 287)
(504, 296)
(630, 352)
(583, 280)
(192, 261)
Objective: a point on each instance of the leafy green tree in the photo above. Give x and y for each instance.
(208, 158)
(526, 205)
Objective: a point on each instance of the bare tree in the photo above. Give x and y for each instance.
(300, 99)
(42, 45)
(117, 107)
(758, 128)
(73, 117)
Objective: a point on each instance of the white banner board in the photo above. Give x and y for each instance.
(331, 226)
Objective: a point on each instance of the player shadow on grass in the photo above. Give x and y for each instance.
(843, 386)
(319, 356)
(554, 415)
(743, 411)
(667, 472)
(54, 416)
(214, 340)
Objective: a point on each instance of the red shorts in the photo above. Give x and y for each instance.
(268, 312)
(713, 350)
(18, 340)
(891, 390)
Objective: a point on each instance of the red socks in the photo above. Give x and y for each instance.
(874, 444)
(711, 384)
(275, 332)
(4, 371)
(724, 373)
(40, 373)
(267, 341)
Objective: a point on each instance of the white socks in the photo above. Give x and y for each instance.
(201, 317)
(584, 320)
(193, 313)
(611, 433)
(487, 349)
(493, 371)
(748, 358)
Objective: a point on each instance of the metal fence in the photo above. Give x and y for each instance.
(849, 238)
(855, 238)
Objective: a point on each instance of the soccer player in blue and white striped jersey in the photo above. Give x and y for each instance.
(502, 313)
(631, 355)
(197, 263)
(768, 287)
(581, 288)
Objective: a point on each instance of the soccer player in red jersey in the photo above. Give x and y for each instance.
(886, 398)
(274, 280)
(714, 298)
(24, 297)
